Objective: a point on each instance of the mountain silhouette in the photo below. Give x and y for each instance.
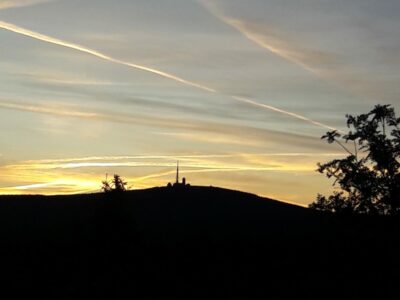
(190, 242)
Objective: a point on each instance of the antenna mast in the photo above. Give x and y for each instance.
(177, 172)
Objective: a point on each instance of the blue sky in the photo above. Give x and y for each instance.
(239, 91)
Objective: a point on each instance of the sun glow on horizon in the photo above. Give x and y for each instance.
(83, 175)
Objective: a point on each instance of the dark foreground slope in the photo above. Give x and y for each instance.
(191, 242)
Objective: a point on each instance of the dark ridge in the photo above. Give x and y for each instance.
(189, 242)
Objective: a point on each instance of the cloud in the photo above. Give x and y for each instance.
(189, 104)
(212, 138)
(258, 137)
(233, 170)
(183, 157)
(194, 163)
(47, 110)
(66, 110)
(56, 41)
(4, 4)
(59, 186)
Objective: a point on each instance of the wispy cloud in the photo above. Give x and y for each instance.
(241, 135)
(56, 41)
(61, 109)
(63, 186)
(84, 174)
(182, 157)
(218, 162)
(213, 138)
(47, 110)
(20, 3)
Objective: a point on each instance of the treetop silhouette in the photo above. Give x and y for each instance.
(369, 176)
(117, 184)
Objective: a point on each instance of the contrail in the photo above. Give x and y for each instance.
(256, 38)
(51, 40)
(56, 41)
(288, 52)
(254, 103)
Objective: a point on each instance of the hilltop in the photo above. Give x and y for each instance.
(191, 241)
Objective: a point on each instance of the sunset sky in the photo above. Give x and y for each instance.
(239, 92)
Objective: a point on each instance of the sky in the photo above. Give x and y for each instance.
(239, 92)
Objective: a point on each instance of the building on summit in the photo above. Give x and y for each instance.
(177, 179)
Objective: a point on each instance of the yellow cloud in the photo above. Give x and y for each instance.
(77, 175)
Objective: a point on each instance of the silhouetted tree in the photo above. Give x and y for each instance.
(117, 184)
(369, 176)
(106, 186)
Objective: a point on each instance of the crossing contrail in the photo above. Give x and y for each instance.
(56, 41)
(276, 48)
(294, 115)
